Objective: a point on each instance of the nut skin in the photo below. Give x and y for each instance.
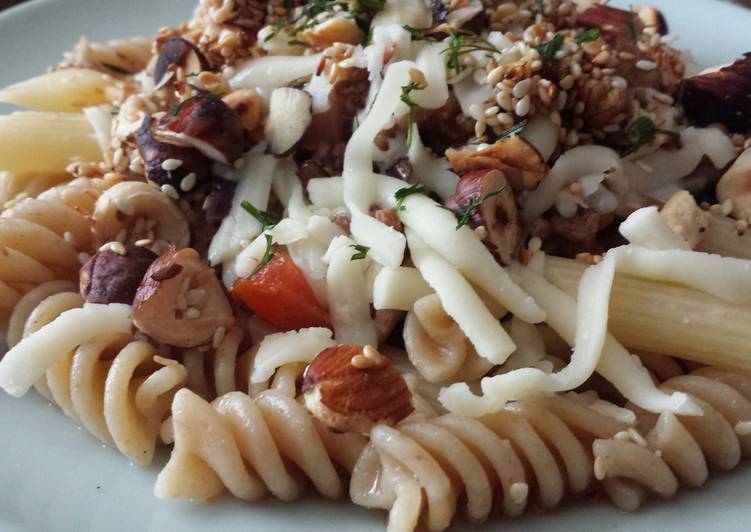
(179, 52)
(154, 152)
(498, 214)
(108, 277)
(720, 97)
(155, 310)
(205, 118)
(519, 161)
(352, 399)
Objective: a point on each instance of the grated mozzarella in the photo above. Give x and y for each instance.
(399, 288)
(28, 360)
(279, 349)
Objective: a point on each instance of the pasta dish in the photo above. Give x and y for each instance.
(444, 258)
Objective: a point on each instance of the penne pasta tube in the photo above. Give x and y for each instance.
(45, 143)
(723, 238)
(668, 319)
(68, 90)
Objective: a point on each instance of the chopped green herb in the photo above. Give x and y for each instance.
(362, 251)
(418, 35)
(640, 132)
(513, 130)
(403, 193)
(308, 15)
(265, 219)
(592, 34)
(407, 99)
(463, 217)
(459, 45)
(550, 48)
(267, 255)
(631, 23)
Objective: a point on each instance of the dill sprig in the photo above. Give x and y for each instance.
(407, 99)
(462, 43)
(640, 132)
(267, 255)
(513, 130)
(404, 193)
(549, 49)
(265, 219)
(464, 216)
(592, 34)
(361, 251)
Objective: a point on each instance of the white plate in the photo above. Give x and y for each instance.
(56, 477)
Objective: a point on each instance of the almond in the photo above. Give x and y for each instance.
(289, 116)
(351, 388)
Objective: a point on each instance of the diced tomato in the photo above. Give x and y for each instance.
(280, 295)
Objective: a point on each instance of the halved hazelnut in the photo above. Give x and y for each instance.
(720, 96)
(177, 52)
(109, 277)
(497, 211)
(180, 301)
(289, 116)
(248, 105)
(207, 124)
(519, 161)
(351, 388)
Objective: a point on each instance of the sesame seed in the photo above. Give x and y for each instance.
(188, 182)
(741, 226)
(480, 127)
(522, 106)
(576, 70)
(143, 243)
(567, 82)
(481, 232)
(536, 64)
(643, 64)
(69, 238)
(611, 128)
(361, 362)
(727, 207)
(521, 89)
(619, 83)
(83, 258)
(116, 247)
(626, 56)
(170, 191)
(372, 353)
(171, 164)
(121, 235)
(195, 297)
(192, 313)
(494, 76)
(534, 244)
(664, 98)
(506, 119)
(219, 334)
(491, 111)
(602, 58)
(519, 491)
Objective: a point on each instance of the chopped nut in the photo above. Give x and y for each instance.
(338, 29)
(178, 52)
(351, 388)
(735, 186)
(289, 116)
(685, 217)
(248, 105)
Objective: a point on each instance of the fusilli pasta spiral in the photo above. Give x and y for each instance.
(670, 450)
(450, 455)
(42, 238)
(243, 444)
(114, 385)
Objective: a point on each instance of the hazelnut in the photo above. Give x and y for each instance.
(685, 217)
(109, 277)
(290, 115)
(720, 96)
(203, 129)
(248, 105)
(497, 212)
(178, 52)
(351, 388)
(519, 161)
(334, 30)
(161, 307)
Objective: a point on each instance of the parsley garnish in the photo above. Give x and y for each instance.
(592, 34)
(418, 35)
(463, 217)
(550, 48)
(267, 255)
(458, 46)
(513, 130)
(403, 193)
(265, 219)
(362, 251)
(308, 15)
(407, 99)
(640, 132)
